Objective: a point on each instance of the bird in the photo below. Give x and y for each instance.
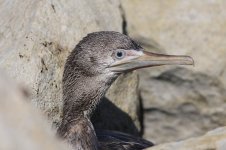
(90, 69)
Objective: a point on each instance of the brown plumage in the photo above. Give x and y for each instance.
(89, 71)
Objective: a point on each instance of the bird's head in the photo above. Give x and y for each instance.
(97, 60)
(112, 53)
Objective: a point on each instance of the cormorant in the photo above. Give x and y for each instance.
(96, 61)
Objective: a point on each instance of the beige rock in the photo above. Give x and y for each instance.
(213, 140)
(181, 103)
(21, 126)
(195, 28)
(36, 37)
(188, 105)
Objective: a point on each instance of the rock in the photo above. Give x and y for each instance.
(213, 140)
(21, 126)
(37, 36)
(195, 28)
(181, 103)
(188, 105)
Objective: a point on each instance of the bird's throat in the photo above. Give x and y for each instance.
(83, 95)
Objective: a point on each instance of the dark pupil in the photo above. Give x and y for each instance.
(119, 54)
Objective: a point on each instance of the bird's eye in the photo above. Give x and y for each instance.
(119, 54)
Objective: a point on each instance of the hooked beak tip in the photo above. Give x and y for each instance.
(190, 61)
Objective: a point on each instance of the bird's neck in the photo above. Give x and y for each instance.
(79, 133)
(81, 94)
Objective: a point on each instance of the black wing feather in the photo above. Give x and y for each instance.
(114, 140)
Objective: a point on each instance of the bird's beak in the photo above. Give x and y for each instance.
(145, 59)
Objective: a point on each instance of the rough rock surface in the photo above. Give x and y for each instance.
(22, 127)
(181, 103)
(213, 140)
(188, 105)
(192, 27)
(36, 37)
